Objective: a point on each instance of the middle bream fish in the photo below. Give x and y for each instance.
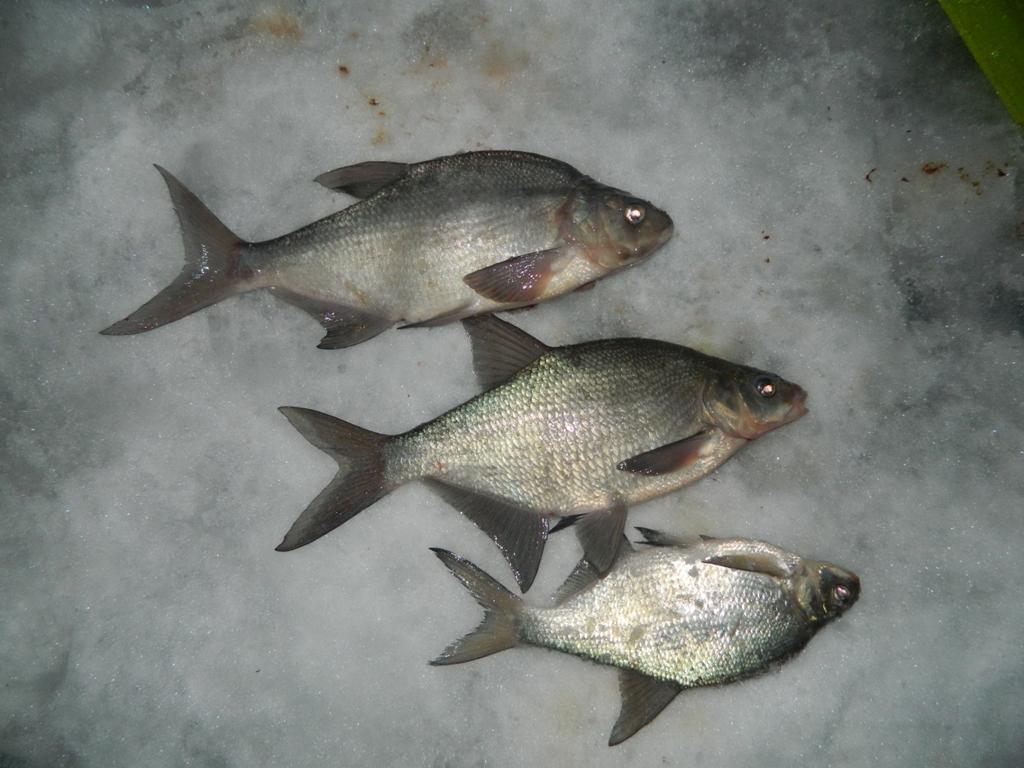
(579, 431)
(429, 243)
(681, 614)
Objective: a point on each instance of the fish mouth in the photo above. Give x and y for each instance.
(797, 405)
(665, 228)
(853, 584)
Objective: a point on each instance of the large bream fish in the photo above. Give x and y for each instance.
(680, 614)
(582, 431)
(431, 243)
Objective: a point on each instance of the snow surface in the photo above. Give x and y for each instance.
(147, 619)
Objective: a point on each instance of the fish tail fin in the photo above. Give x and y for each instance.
(502, 610)
(212, 268)
(361, 479)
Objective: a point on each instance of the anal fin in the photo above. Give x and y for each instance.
(519, 533)
(643, 697)
(346, 326)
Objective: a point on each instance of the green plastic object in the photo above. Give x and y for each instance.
(994, 33)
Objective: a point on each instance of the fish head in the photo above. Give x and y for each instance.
(745, 402)
(614, 229)
(825, 591)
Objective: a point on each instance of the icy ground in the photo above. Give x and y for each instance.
(848, 199)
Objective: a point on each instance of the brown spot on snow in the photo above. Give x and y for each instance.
(931, 168)
(279, 24)
(501, 64)
(965, 177)
(991, 169)
(343, 70)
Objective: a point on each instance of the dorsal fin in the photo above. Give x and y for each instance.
(500, 350)
(363, 179)
(582, 577)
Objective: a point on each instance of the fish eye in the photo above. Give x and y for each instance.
(765, 386)
(634, 213)
(841, 594)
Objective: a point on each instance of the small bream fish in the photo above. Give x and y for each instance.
(582, 432)
(679, 614)
(429, 243)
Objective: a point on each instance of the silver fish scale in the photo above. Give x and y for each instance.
(402, 253)
(550, 438)
(668, 615)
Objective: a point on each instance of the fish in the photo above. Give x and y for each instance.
(580, 432)
(680, 613)
(428, 243)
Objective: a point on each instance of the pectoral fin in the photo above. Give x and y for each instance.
(762, 562)
(519, 533)
(668, 458)
(521, 279)
(363, 179)
(643, 698)
(600, 533)
(346, 326)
